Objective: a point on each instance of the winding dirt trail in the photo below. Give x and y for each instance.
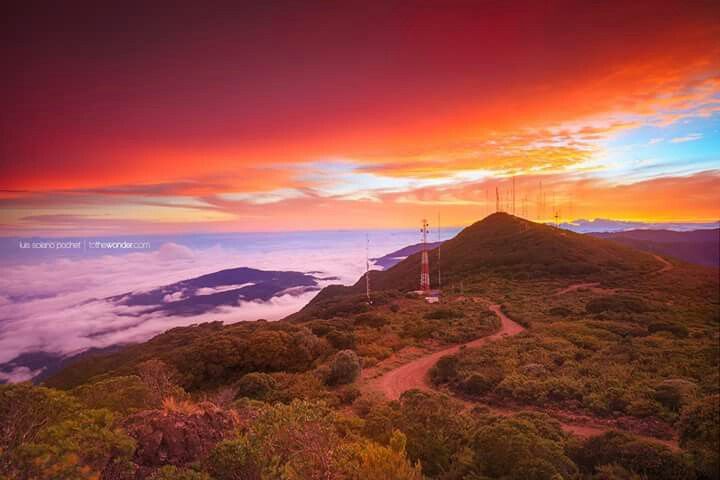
(415, 375)
(666, 265)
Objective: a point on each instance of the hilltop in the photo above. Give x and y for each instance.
(505, 247)
(565, 355)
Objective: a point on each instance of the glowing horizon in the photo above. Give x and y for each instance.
(280, 119)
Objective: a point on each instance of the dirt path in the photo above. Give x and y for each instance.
(666, 265)
(415, 375)
(596, 288)
(593, 287)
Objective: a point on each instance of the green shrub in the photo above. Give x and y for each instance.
(482, 381)
(617, 304)
(560, 312)
(679, 331)
(256, 385)
(647, 459)
(341, 340)
(436, 429)
(232, 460)
(674, 393)
(121, 394)
(345, 368)
(368, 460)
(525, 446)
(444, 370)
(444, 314)
(170, 472)
(370, 320)
(699, 428)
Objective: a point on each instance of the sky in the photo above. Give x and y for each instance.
(277, 116)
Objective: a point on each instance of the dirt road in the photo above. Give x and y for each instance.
(415, 373)
(666, 265)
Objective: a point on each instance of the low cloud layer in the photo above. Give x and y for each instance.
(60, 306)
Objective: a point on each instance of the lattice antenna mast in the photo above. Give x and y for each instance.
(424, 261)
(439, 284)
(367, 266)
(541, 210)
(513, 196)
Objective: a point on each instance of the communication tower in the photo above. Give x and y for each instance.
(424, 262)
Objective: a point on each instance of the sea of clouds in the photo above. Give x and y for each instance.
(57, 305)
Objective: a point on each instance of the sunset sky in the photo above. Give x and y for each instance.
(324, 115)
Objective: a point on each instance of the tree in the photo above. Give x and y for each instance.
(345, 368)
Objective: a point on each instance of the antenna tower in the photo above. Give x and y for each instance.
(424, 262)
(439, 284)
(367, 266)
(513, 196)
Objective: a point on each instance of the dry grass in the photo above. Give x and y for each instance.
(187, 407)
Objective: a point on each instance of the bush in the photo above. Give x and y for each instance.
(617, 304)
(483, 381)
(341, 340)
(372, 461)
(699, 427)
(256, 385)
(444, 370)
(78, 448)
(560, 312)
(437, 429)
(370, 320)
(345, 368)
(170, 472)
(650, 460)
(295, 441)
(444, 314)
(525, 446)
(232, 460)
(120, 394)
(674, 393)
(679, 331)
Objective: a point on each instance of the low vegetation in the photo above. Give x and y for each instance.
(289, 400)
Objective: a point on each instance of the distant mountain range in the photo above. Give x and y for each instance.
(606, 225)
(224, 288)
(189, 297)
(393, 258)
(700, 246)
